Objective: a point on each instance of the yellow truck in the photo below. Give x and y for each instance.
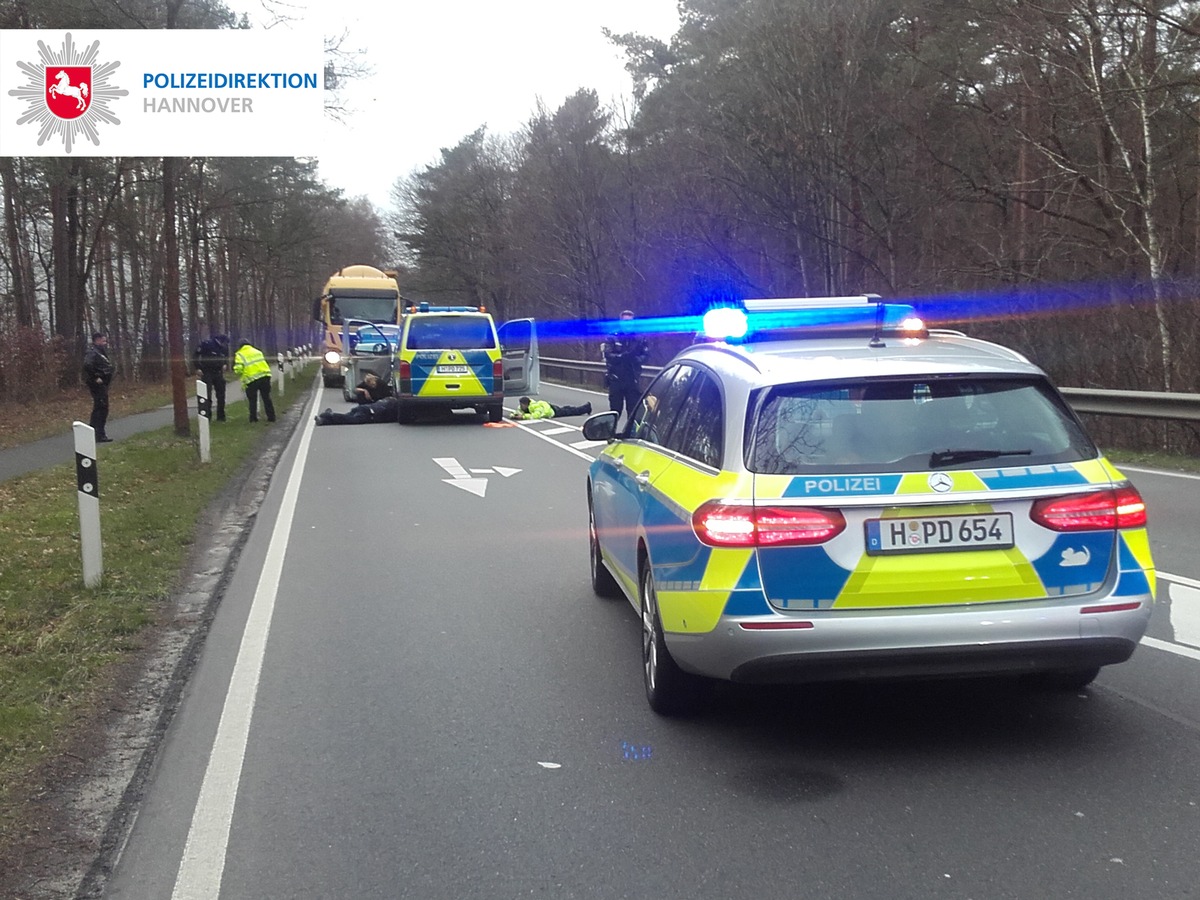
(359, 312)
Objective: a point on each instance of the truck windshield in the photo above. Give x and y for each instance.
(370, 309)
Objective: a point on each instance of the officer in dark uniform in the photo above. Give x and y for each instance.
(210, 361)
(624, 354)
(98, 372)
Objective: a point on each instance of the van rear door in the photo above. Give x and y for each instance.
(519, 348)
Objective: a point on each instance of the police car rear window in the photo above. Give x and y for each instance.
(431, 332)
(913, 424)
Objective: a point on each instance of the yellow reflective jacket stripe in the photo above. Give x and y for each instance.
(250, 365)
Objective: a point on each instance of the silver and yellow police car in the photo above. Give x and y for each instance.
(837, 492)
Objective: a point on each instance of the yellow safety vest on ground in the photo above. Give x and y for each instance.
(249, 365)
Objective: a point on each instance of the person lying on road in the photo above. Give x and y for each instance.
(364, 414)
(540, 409)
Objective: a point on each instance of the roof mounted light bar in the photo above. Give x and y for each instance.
(791, 318)
(768, 304)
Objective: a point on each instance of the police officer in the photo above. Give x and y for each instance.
(541, 409)
(252, 368)
(212, 357)
(98, 372)
(624, 354)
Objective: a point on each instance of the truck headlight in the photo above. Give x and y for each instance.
(332, 357)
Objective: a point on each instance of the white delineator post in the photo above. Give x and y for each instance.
(87, 479)
(203, 413)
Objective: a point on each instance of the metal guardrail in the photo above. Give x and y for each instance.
(1141, 404)
(1137, 404)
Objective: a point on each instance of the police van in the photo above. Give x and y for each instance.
(454, 357)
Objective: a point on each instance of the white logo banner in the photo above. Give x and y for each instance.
(83, 92)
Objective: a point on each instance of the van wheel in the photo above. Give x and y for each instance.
(669, 690)
(404, 413)
(603, 582)
(495, 412)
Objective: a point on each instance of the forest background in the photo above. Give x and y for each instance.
(1029, 171)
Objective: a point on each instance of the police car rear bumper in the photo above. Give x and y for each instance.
(994, 640)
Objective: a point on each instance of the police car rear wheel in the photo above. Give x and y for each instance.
(669, 690)
(603, 583)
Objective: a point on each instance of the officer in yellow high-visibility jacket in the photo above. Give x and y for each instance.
(252, 368)
(540, 409)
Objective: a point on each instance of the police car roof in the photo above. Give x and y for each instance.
(825, 359)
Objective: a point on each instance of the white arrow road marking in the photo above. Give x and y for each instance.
(461, 477)
(452, 466)
(476, 486)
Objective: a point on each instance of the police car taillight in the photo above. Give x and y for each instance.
(1103, 510)
(736, 525)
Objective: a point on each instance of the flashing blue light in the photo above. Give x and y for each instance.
(725, 323)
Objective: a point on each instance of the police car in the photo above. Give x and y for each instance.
(842, 493)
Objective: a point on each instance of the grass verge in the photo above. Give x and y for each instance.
(1151, 460)
(25, 422)
(62, 643)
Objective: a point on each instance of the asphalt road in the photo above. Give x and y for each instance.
(410, 691)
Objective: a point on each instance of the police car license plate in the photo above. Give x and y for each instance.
(453, 370)
(929, 533)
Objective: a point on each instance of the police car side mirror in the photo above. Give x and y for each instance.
(601, 427)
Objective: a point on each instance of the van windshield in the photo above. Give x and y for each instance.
(433, 332)
(914, 424)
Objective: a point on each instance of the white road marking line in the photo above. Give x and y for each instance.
(1177, 649)
(482, 472)
(1157, 472)
(549, 440)
(1179, 579)
(203, 862)
(584, 445)
(562, 429)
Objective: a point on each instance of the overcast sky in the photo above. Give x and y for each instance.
(442, 68)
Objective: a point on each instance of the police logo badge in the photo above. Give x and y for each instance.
(69, 93)
(68, 89)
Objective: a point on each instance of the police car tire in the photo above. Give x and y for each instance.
(495, 412)
(670, 691)
(603, 583)
(404, 413)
